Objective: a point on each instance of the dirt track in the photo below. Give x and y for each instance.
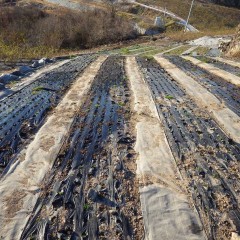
(129, 152)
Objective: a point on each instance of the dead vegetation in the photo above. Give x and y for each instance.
(26, 32)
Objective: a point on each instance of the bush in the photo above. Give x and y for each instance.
(33, 28)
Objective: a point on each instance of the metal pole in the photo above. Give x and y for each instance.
(189, 16)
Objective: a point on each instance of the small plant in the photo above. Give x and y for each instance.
(37, 89)
(125, 51)
(169, 97)
(149, 57)
(121, 104)
(86, 207)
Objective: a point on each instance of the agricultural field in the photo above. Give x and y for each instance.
(126, 144)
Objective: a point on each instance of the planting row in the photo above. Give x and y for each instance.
(206, 157)
(223, 90)
(23, 112)
(221, 65)
(92, 192)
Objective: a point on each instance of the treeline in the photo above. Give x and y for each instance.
(32, 27)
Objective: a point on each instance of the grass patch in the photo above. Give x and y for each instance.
(11, 84)
(204, 59)
(202, 50)
(178, 51)
(10, 52)
(124, 51)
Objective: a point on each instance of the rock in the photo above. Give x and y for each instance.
(35, 64)
(48, 60)
(235, 236)
(159, 22)
(118, 166)
(214, 52)
(194, 54)
(40, 62)
(77, 181)
(125, 140)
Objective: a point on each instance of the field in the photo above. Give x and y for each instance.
(128, 145)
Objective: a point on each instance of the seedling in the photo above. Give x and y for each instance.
(37, 89)
(169, 97)
(97, 105)
(121, 104)
(86, 207)
(125, 51)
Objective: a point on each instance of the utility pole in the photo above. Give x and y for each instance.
(189, 16)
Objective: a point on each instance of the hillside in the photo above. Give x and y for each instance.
(32, 28)
(205, 16)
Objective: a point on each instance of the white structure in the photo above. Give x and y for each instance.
(159, 22)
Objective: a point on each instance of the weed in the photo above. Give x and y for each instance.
(125, 51)
(169, 97)
(11, 84)
(37, 89)
(86, 207)
(149, 57)
(125, 78)
(121, 104)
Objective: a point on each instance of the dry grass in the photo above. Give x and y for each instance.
(181, 36)
(204, 16)
(30, 32)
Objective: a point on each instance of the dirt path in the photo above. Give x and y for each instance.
(19, 189)
(164, 200)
